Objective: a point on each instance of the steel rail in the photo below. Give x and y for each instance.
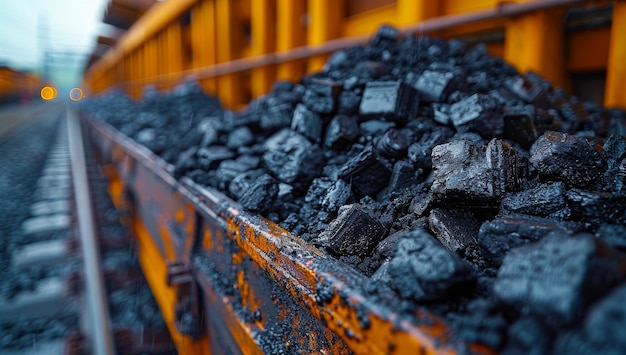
(100, 336)
(303, 52)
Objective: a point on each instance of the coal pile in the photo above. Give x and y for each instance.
(485, 195)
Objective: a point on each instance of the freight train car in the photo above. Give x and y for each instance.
(16, 86)
(408, 195)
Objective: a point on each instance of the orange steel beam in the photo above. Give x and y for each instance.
(534, 42)
(616, 69)
(415, 11)
(290, 33)
(263, 41)
(588, 50)
(227, 43)
(326, 23)
(203, 38)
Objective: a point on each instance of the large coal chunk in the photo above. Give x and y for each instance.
(496, 238)
(337, 195)
(291, 157)
(424, 270)
(307, 123)
(478, 113)
(597, 207)
(606, 321)
(483, 324)
(321, 96)
(519, 126)
(545, 200)
(367, 172)
(260, 196)
(530, 88)
(393, 100)
(527, 336)
(210, 157)
(341, 132)
(393, 144)
(557, 277)
(466, 170)
(563, 157)
(436, 84)
(455, 229)
(354, 232)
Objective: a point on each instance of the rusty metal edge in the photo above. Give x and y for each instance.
(301, 271)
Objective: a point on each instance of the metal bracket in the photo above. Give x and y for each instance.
(186, 309)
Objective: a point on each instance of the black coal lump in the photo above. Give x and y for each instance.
(563, 157)
(606, 320)
(393, 144)
(240, 136)
(613, 234)
(337, 195)
(519, 125)
(436, 84)
(545, 200)
(467, 170)
(367, 172)
(394, 100)
(497, 237)
(290, 157)
(242, 182)
(354, 232)
(276, 114)
(317, 191)
(424, 270)
(481, 323)
(615, 176)
(307, 123)
(556, 278)
(528, 336)
(404, 175)
(321, 96)
(530, 88)
(260, 196)
(455, 229)
(210, 157)
(341, 132)
(479, 113)
(597, 207)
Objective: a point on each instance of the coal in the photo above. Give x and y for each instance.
(342, 131)
(260, 196)
(478, 113)
(497, 237)
(243, 181)
(482, 323)
(465, 170)
(557, 277)
(436, 85)
(354, 232)
(455, 229)
(545, 200)
(597, 207)
(519, 126)
(337, 195)
(367, 172)
(563, 157)
(321, 96)
(241, 136)
(393, 144)
(210, 157)
(606, 320)
(424, 270)
(614, 235)
(307, 123)
(404, 175)
(394, 100)
(291, 157)
(530, 88)
(527, 336)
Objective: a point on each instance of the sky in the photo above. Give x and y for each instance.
(27, 26)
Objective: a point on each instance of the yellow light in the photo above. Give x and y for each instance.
(76, 94)
(48, 93)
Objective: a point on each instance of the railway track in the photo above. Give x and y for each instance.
(71, 281)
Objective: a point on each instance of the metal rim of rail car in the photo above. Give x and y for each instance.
(299, 269)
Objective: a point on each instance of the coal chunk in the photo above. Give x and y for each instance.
(497, 237)
(394, 100)
(466, 170)
(436, 84)
(606, 320)
(479, 113)
(614, 235)
(404, 175)
(393, 144)
(210, 157)
(354, 232)
(366, 172)
(242, 182)
(321, 96)
(240, 136)
(337, 195)
(307, 123)
(597, 207)
(341, 132)
(527, 336)
(519, 126)
(424, 270)
(557, 277)
(260, 196)
(455, 229)
(481, 323)
(530, 88)
(291, 157)
(545, 200)
(563, 157)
